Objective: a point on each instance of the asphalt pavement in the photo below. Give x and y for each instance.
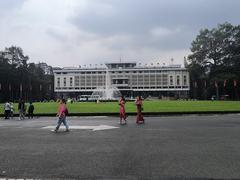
(165, 147)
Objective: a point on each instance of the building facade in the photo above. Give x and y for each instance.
(131, 79)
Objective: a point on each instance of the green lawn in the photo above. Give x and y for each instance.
(149, 106)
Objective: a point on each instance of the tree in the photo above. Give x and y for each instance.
(16, 57)
(215, 55)
(18, 79)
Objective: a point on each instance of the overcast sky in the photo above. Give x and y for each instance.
(77, 32)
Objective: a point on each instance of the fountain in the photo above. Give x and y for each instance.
(107, 92)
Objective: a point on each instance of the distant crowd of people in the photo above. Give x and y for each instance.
(23, 110)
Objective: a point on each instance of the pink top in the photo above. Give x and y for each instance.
(61, 110)
(122, 109)
(138, 102)
(121, 103)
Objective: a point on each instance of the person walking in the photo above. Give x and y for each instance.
(122, 110)
(139, 104)
(7, 110)
(21, 109)
(12, 110)
(61, 114)
(30, 110)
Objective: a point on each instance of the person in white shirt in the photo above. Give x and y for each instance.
(7, 109)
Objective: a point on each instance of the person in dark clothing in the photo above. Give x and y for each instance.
(30, 110)
(21, 109)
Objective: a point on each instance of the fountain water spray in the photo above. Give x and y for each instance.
(107, 92)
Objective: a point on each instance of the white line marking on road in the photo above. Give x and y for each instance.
(94, 128)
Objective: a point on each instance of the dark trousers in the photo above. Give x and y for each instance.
(7, 113)
(30, 115)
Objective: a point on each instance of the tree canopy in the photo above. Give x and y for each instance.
(20, 79)
(215, 58)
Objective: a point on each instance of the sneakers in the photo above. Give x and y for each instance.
(54, 130)
(140, 122)
(123, 123)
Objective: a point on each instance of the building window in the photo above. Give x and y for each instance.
(165, 79)
(178, 80)
(64, 82)
(171, 81)
(71, 81)
(77, 79)
(184, 80)
(58, 82)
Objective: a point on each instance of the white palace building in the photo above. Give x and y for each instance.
(130, 78)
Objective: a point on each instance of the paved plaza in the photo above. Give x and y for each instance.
(167, 147)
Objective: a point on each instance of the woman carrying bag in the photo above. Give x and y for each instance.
(62, 113)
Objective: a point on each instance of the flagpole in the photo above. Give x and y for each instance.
(235, 88)
(10, 91)
(20, 91)
(236, 94)
(205, 90)
(0, 90)
(195, 89)
(217, 91)
(224, 88)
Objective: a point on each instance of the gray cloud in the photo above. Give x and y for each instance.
(6, 6)
(124, 16)
(137, 18)
(67, 32)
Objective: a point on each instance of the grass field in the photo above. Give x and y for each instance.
(149, 106)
